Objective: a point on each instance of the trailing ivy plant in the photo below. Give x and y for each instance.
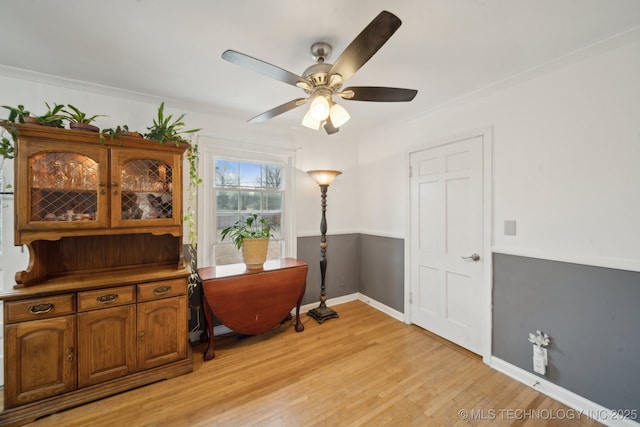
(166, 129)
(6, 151)
(114, 133)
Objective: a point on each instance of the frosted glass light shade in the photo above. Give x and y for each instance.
(324, 177)
(339, 115)
(310, 122)
(319, 108)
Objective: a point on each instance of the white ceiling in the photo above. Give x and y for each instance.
(171, 49)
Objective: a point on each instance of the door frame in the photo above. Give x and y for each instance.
(486, 135)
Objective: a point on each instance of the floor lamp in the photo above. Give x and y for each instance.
(324, 178)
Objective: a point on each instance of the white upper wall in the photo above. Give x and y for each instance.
(566, 161)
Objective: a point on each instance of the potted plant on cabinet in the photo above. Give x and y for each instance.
(79, 120)
(251, 235)
(119, 131)
(53, 117)
(19, 114)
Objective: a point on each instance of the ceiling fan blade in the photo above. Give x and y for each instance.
(366, 44)
(278, 110)
(261, 67)
(328, 126)
(378, 94)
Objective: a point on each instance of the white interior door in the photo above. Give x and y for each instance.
(446, 241)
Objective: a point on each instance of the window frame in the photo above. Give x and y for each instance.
(207, 214)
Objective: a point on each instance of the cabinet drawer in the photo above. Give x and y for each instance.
(103, 298)
(163, 289)
(40, 308)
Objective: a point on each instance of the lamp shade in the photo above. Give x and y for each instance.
(339, 115)
(310, 122)
(324, 177)
(319, 108)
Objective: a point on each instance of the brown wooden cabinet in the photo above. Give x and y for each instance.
(103, 304)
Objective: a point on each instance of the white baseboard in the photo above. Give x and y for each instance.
(582, 406)
(356, 297)
(381, 307)
(330, 302)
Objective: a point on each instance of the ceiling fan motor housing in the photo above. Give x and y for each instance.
(317, 74)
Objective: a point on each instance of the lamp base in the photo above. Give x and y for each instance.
(322, 313)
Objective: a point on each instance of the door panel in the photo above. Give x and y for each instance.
(447, 222)
(107, 345)
(43, 352)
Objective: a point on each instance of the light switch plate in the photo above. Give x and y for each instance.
(509, 227)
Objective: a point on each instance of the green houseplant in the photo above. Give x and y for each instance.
(164, 130)
(19, 114)
(53, 117)
(251, 235)
(80, 120)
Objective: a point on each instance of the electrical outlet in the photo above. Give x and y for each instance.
(540, 360)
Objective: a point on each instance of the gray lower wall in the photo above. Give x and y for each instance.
(342, 275)
(591, 314)
(371, 265)
(382, 270)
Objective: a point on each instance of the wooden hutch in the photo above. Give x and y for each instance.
(103, 305)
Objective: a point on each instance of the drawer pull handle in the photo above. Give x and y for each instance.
(108, 298)
(161, 290)
(41, 308)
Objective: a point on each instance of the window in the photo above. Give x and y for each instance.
(244, 187)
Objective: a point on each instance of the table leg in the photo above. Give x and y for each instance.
(299, 325)
(208, 315)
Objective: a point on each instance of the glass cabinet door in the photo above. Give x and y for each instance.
(143, 189)
(65, 188)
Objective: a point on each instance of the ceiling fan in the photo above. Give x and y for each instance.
(322, 81)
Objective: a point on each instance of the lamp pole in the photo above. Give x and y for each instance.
(324, 179)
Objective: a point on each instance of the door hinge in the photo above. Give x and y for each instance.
(410, 171)
(410, 297)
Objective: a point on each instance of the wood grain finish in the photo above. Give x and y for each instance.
(107, 349)
(102, 305)
(364, 368)
(27, 344)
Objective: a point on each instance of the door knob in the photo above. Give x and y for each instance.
(474, 257)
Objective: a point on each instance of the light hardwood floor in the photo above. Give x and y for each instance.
(364, 368)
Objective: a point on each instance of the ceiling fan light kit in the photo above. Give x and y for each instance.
(319, 108)
(321, 81)
(310, 122)
(338, 115)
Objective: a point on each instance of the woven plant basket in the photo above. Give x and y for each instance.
(254, 252)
